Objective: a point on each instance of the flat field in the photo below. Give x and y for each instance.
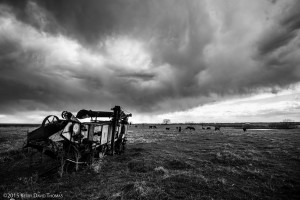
(166, 164)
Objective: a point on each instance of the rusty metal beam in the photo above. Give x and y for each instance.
(115, 122)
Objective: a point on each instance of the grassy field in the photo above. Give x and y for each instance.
(167, 164)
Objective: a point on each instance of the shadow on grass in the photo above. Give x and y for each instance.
(177, 165)
(140, 166)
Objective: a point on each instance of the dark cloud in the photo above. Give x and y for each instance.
(149, 56)
(141, 76)
(278, 48)
(282, 31)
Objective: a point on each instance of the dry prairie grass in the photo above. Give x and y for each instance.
(161, 164)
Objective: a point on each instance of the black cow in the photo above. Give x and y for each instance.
(191, 128)
(150, 127)
(207, 128)
(217, 128)
(167, 128)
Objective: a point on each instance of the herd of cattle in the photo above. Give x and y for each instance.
(191, 128)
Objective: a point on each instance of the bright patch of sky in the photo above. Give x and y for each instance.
(264, 107)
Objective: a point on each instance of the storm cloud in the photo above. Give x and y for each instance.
(148, 56)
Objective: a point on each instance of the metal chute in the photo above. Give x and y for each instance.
(82, 114)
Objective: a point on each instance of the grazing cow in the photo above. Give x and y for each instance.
(246, 126)
(179, 128)
(191, 128)
(167, 128)
(217, 128)
(207, 128)
(150, 127)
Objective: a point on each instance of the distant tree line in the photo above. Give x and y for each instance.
(286, 124)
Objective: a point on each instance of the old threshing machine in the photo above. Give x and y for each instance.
(74, 142)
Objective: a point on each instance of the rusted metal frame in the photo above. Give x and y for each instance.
(115, 122)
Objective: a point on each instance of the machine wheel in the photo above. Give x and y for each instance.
(51, 119)
(66, 115)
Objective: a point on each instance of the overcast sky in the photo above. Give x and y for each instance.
(192, 60)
